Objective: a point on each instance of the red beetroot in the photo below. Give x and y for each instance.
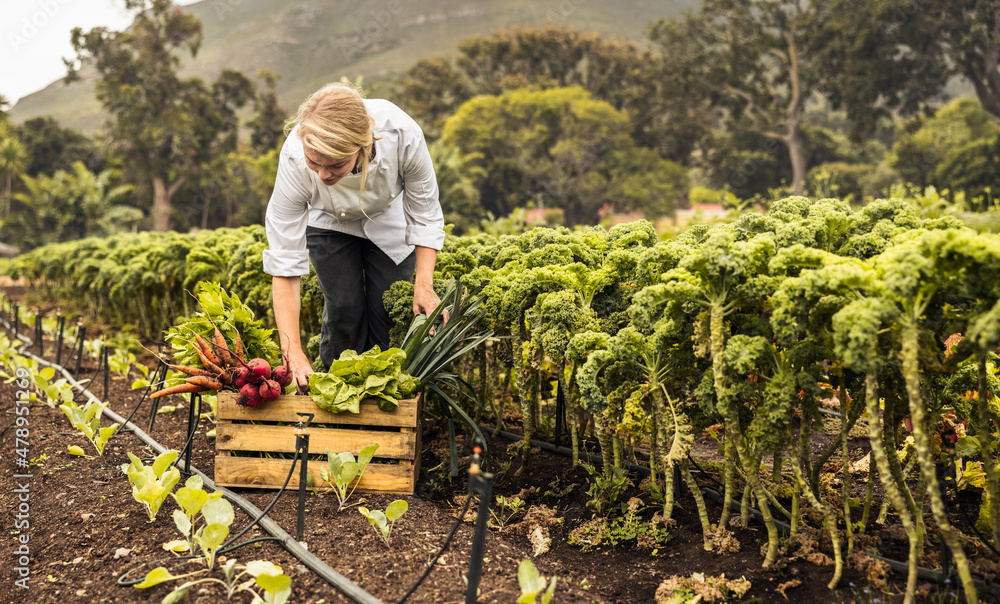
(253, 401)
(260, 370)
(241, 377)
(270, 390)
(249, 396)
(249, 391)
(282, 375)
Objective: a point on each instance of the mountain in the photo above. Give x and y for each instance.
(311, 42)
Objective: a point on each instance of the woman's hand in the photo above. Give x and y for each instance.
(426, 301)
(301, 368)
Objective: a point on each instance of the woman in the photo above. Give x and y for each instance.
(355, 194)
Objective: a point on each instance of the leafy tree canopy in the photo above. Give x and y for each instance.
(560, 148)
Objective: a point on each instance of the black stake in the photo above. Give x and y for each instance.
(104, 361)
(302, 444)
(193, 409)
(480, 483)
(38, 335)
(81, 336)
(59, 340)
(560, 430)
(17, 319)
(161, 366)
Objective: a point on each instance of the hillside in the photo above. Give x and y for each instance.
(311, 42)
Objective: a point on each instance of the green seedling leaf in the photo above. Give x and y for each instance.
(178, 594)
(47, 373)
(262, 567)
(148, 487)
(209, 539)
(178, 546)
(218, 511)
(396, 509)
(348, 472)
(229, 569)
(531, 581)
(155, 577)
(366, 455)
(277, 587)
(190, 500)
(163, 462)
(182, 522)
(547, 596)
(75, 450)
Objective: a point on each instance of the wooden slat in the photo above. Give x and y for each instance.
(285, 409)
(271, 473)
(281, 439)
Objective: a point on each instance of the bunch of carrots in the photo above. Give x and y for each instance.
(225, 369)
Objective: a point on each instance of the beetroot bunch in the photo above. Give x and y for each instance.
(257, 382)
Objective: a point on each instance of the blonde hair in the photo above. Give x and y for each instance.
(334, 122)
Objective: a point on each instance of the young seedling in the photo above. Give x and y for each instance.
(509, 507)
(152, 484)
(532, 584)
(342, 470)
(191, 498)
(277, 586)
(384, 521)
(88, 422)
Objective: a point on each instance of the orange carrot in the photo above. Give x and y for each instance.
(238, 345)
(178, 389)
(222, 348)
(210, 365)
(206, 350)
(208, 383)
(192, 370)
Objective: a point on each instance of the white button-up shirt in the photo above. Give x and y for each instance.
(400, 203)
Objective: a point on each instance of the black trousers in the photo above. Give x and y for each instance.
(353, 274)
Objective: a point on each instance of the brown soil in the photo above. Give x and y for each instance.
(86, 530)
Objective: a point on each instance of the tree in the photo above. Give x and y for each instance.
(661, 115)
(4, 106)
(562, 147)
(70, 205)
(755, 60)
(51, 147)
(163, 127)
(955, 149)
(458, 176)
(900, 55)
(13, 161)
(267, 129)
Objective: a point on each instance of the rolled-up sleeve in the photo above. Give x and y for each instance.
(286, 220)
(421, 204)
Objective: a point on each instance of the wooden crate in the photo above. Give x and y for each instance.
(393, 470)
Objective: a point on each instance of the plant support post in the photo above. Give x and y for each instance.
(302, 445)
(480, 483)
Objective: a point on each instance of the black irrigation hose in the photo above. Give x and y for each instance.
(298, 454)
(327, 573)
(447, 540)
(186, 560)
(924, 573)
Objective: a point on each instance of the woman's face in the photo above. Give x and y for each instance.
(329, 170)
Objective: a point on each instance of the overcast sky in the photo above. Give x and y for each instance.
(34, 37)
